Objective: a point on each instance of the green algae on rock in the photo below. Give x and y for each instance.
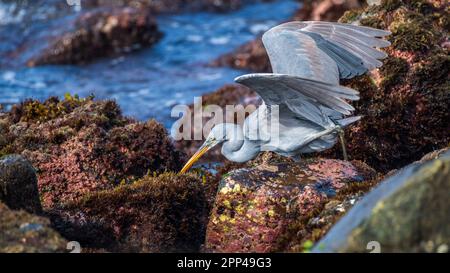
(258, 208)
(164, 213)
(21, 232)
(408, 212)
(18, 184)
(81, 145)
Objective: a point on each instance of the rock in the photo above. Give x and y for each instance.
(264, 208)
(404, 104)
(408, 212)
(250, 56)
(326, 10)
(166, 213)
(23, 232)
(80, 146)
(253, 56)
(101, 33)
(18, 184)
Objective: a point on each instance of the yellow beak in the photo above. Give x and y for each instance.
(194, 158)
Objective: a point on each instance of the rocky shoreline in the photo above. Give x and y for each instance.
(76, 169)
(108, 29)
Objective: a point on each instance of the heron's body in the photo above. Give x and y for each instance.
(308, 60)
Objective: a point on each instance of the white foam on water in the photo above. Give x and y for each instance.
(223, 40)
(194, 38)
(259, 28)
(9, 14)
(9, 76)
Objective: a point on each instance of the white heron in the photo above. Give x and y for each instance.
(308, 59)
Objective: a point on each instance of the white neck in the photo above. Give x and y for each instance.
(237, 148)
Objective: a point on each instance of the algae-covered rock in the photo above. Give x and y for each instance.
(80, 146)
(24, 232)
(266, 207)
(166, 213)
(101, 33)
(18, 184)
(407, 212)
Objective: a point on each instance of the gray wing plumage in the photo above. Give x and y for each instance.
(310, 99)
(324, 51)
(296, 53)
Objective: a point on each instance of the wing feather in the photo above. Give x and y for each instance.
(296, 53)
(353, 49)
(276, 89)
(362, 29)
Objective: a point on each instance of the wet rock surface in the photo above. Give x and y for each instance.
(166, 213)
(79, 146)
(101, 33)
(18, 184)
(408, 212)
(257, 209)
(21, 232)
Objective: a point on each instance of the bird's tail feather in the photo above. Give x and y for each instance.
(347, 121)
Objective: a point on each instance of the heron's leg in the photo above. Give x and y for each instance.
(342, 140)
(336, 128)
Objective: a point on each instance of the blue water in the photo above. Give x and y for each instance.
(146, 83)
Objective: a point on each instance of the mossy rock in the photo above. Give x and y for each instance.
(81, 145)
(21, 232)
(18, 184)
(165, 213)
(407, 212)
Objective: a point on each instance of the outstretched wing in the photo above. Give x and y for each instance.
(310, 99)
(324, 51)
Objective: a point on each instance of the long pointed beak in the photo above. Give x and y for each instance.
(201, 151)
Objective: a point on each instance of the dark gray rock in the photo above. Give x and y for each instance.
(18, 184)
(408, 212)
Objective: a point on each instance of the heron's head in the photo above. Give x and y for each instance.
(218, 134)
